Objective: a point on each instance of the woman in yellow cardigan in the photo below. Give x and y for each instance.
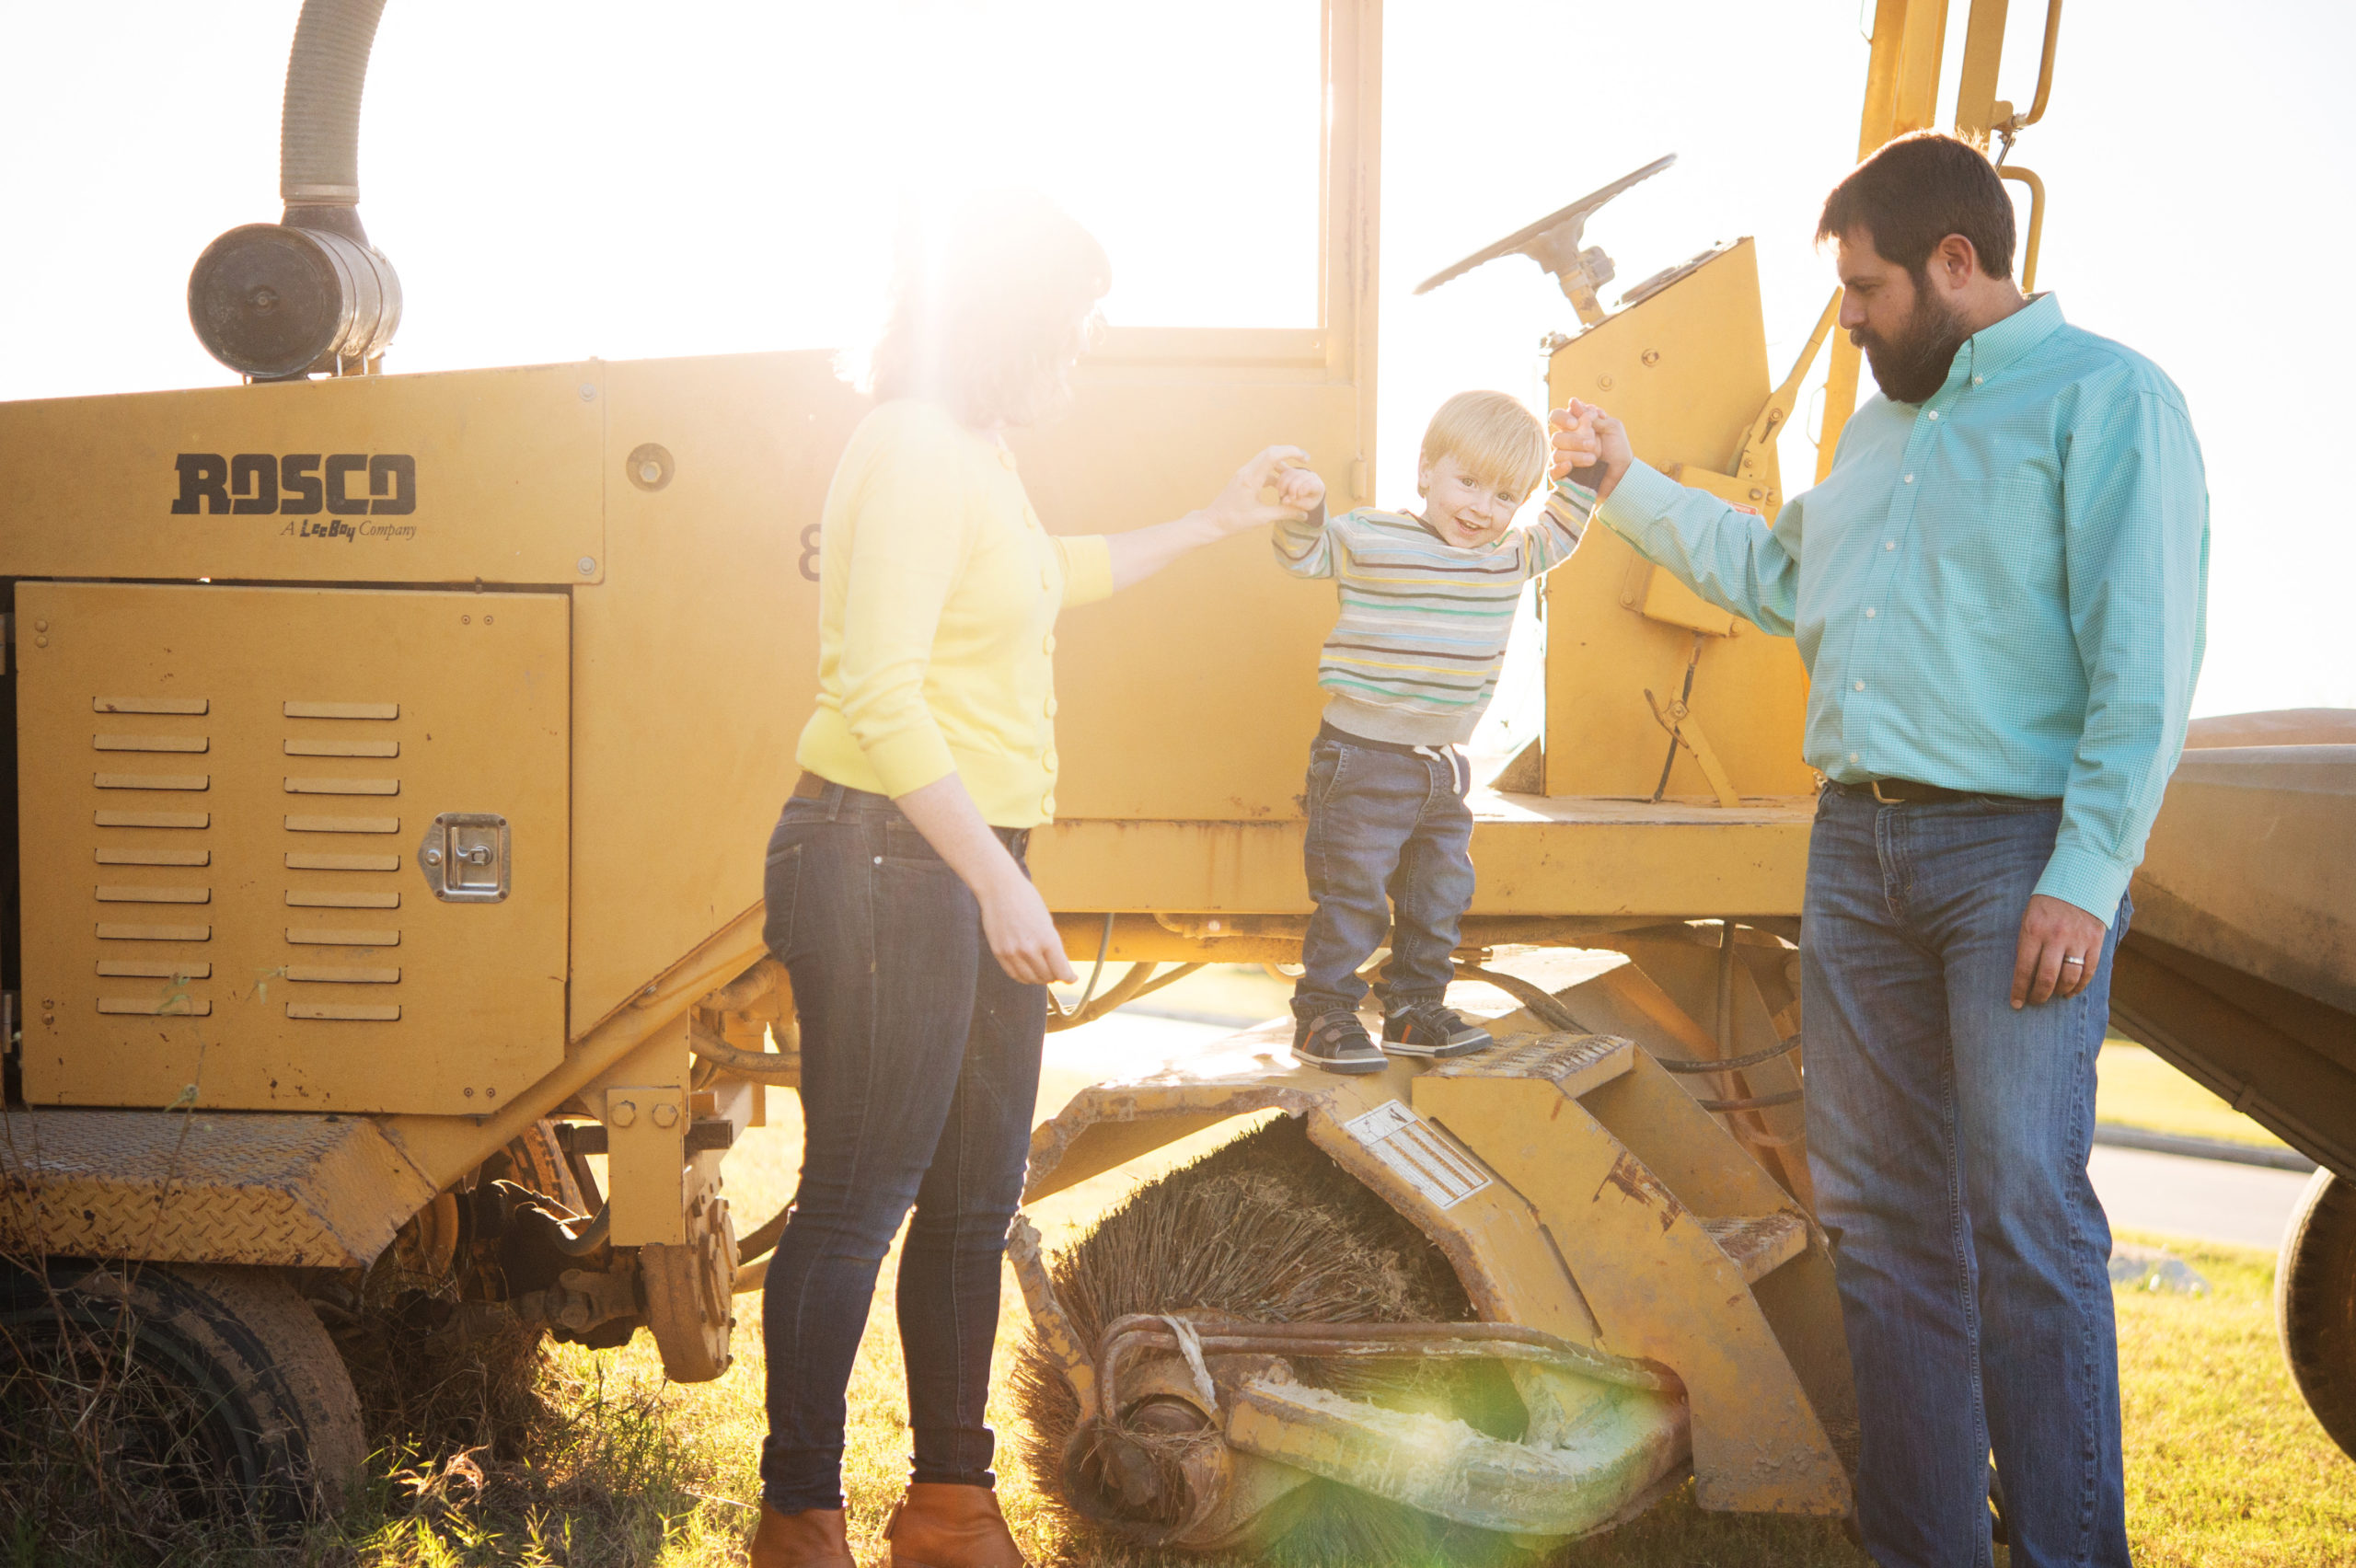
(897, 893)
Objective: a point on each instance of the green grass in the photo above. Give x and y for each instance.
(2136, 1088)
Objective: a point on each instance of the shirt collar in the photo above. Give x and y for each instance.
(1997, 348)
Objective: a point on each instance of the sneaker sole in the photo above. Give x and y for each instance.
(1437, 1053)
(1352, 1065)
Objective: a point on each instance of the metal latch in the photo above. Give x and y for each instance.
(465, 857)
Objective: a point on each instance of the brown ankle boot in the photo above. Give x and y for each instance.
(941, 1526)
(811, 1538)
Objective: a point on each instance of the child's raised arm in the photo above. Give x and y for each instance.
(1304, 547)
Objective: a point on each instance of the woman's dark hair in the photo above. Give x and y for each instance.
(1917, 190)
(990, 317)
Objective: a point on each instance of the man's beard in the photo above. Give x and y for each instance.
(1913, 364)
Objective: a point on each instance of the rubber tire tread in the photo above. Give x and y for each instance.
(2315, 1303)
(263, 1341)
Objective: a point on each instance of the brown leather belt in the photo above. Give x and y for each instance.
(809, 787)
(1906, 792)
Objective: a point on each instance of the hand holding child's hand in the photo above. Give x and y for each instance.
(1239, 506)
(1300, 489)
(1592, 444)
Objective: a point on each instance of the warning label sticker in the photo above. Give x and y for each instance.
(1419, 1152)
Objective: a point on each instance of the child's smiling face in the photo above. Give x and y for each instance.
(1464, 509)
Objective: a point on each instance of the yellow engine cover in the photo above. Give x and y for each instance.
(242, 809)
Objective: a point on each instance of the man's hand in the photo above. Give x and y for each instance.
(1239, 506)
(1300, 489)
(2060, 944)
(1587, 437)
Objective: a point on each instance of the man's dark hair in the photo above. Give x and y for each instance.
(1917, 190)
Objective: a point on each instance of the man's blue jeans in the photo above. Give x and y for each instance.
(1948, 1136)
(1387, 831)
(919, 1072)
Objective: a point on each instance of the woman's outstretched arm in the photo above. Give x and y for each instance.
(1142, 552)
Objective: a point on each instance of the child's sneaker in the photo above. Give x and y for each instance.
(1337, 1042)
(1432, 1029)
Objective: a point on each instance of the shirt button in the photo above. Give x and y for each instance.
(1047, 759)
(1975, 381)
(1909, 479)
(1861, 685)
(1853, 757)
(1048, 643)
(1890, 544)
(1934, 413)
(1869, 613)
(1048, 804)
(1050, 709)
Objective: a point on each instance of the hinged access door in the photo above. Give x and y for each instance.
(228, 798)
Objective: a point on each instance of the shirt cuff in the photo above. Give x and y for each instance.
(1643, 497)
(909, 759)
(1087, 567)
(2094, 883)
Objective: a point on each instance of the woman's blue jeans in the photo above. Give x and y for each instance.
(1948, 1136)
(919, 1072)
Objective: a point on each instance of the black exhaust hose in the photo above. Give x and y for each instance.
(319, 135)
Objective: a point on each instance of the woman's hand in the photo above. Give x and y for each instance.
(1015, 921)
(1239, 506)
(1021, 932)
(1302, 489)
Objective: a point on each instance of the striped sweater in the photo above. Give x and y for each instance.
(1413, 658)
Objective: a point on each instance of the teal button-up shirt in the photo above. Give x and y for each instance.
(2000, 590)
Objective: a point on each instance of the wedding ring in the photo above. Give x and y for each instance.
(2079, 961)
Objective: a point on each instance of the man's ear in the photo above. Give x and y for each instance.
(1957, 260)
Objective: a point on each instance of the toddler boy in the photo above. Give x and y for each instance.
(1428, 603)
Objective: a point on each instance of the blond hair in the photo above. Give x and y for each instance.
(990, 318)
(1492, 436)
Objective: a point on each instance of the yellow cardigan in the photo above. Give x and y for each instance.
(938, 591)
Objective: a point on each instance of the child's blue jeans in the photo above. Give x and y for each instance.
(1389, 854)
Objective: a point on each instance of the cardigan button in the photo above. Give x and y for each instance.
(1048, 643)
(1049, 708)
(1047, 803)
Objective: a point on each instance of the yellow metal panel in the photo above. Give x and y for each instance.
(284, 1190)
(503, 481)
(253, 1005)
(1687, 370)
(1657, 1282)
(1537, 856)
(695, 663)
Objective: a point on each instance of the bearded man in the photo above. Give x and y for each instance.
(1999, 593)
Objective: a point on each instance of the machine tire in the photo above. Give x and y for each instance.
(231, 1397)
(2315, 1303)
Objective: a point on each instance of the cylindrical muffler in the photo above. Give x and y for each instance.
(272, 301)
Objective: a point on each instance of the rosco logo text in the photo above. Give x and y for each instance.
(301, 484)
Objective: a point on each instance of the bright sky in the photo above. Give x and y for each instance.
(555, 180)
